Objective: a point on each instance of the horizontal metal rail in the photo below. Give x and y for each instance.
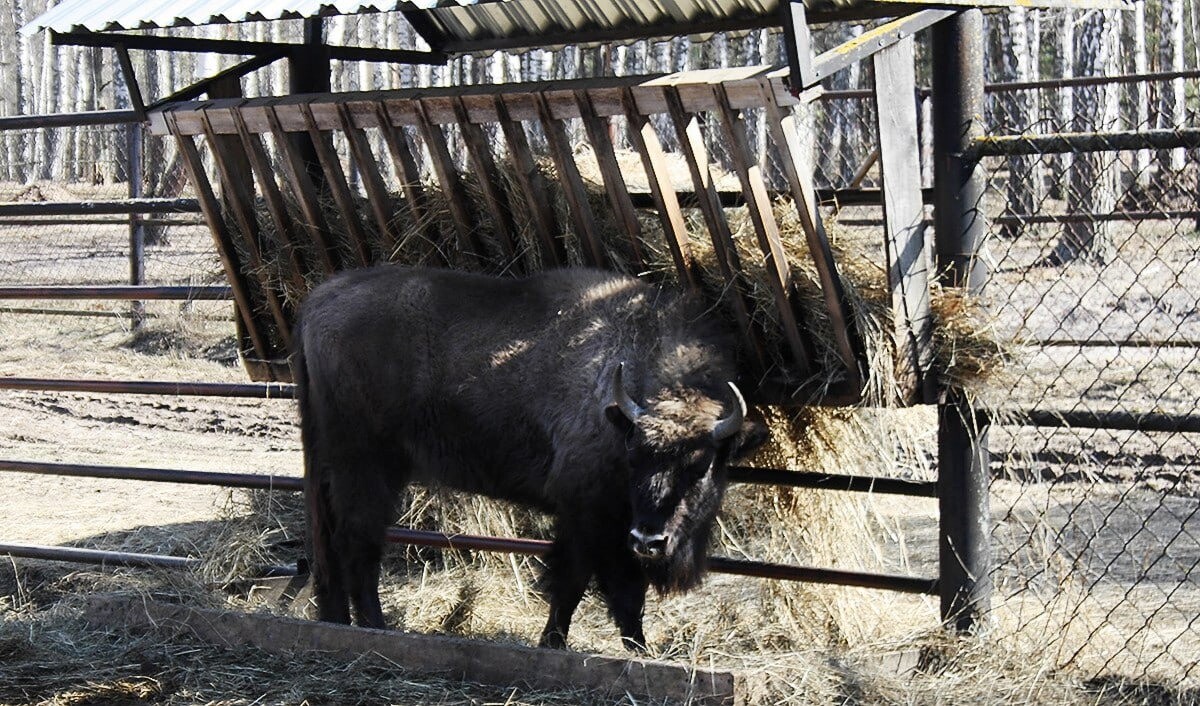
(259, 390)
(1100, 343)
(402, 535)
(102, 557)
(1010, 86)
(98, 556)
(139, 292)
(122, 222)
(833, 481)
(724, 565)
(80, 119)
(91, 208)
(1074, 142)
(253, 481)
(1030, 218)
(1083, 419)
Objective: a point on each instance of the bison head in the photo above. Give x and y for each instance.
(678, 446)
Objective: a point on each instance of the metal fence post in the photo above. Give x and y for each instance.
(137, 229)
(959, 222)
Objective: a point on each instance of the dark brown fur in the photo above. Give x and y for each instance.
(502, 387)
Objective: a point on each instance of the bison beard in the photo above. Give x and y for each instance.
(588, 395)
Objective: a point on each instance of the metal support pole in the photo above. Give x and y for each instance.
(959, 221)
(137, 229)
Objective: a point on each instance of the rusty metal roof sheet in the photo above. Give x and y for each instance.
(476, 25)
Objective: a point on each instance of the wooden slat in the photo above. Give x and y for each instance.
(479, 153)
(238, 193)
(762, 215)
(443, 166)
(598, 130)
(285, 233)
(662, 191)
(378, 197)
(224, 242)
(339, 188)
(691, 141)
(781, 122)
(743, 84)
(409, 176)
(533, 187)
(573, 187)
(904, 219)
(305, 193)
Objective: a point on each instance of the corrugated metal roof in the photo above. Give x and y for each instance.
(457, 25)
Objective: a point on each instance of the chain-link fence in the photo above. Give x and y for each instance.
(76, 241)
(1092, 258)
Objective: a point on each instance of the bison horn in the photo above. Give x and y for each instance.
(620, 397)
(732, 424)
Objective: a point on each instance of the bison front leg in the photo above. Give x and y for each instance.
(623, 585)
(568, 571)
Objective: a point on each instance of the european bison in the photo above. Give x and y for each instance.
(589, 395)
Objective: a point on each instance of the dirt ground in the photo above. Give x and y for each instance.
(1097, 534)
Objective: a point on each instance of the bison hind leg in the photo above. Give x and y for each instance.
(366, 500)
(333, 603)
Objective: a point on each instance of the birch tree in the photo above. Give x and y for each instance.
(1015, 112)
(1171, 97)
(1093, 179)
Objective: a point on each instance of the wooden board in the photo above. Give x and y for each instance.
(453, 657)
(907, 248)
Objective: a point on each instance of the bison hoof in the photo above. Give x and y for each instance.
(553, 640)
(635, 644)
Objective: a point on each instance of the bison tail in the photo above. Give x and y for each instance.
(332, 603)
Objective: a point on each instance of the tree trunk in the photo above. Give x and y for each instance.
(1171, 114)
(1015, 111)
(1064, 107)
(1093, 176)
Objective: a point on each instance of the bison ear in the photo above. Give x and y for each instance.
(751, 436)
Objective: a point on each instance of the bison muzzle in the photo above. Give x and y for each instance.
(592, 396)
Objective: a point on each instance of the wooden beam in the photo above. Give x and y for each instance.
(379, 199)
(305, 192)
(238, 193)
(781, 121)
(408, 174)
(744, 86)
(224, 242)
(906, 244)
(479, 153)
(285, 231)
(597, 129)
(201, 87)
(868, 43)
(533, 186)
(666, 202)
(573, 188)
(483, 661)
(339, 188)
(760, 208)
(131, 82)
(797, 42)
(469, 242)
(691, 142)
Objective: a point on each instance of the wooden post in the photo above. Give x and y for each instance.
(905, 243)
(135, 141)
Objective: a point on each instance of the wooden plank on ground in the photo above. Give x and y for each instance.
(662, 191)
(480, 661)
(691, 143)
(533, 187)
(573, 187)
(378, 198)
(762, 215)
(907, 247)
(339, 188)
(782, 123)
